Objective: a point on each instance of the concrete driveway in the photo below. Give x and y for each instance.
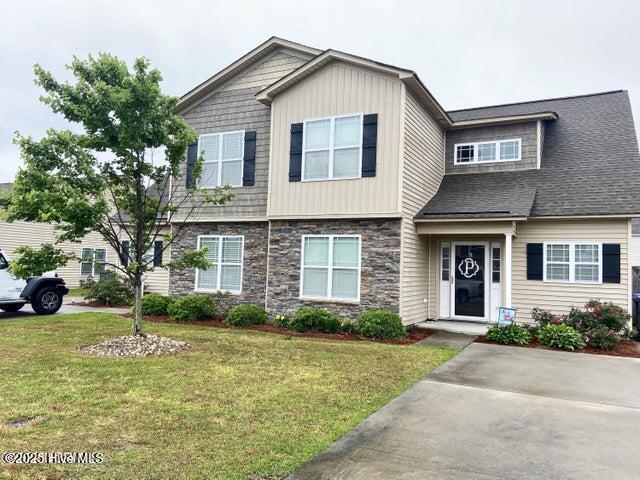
(67, 307)
(496, 412)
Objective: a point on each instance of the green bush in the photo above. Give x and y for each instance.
(192, 307)
(111, 290)
(245, 315)
(510, 335)
(349, 327)
(543, 317)
(282, 321)
(156, 304)
(381, 324)
(599, 316)
(310, 319)
(561, 336)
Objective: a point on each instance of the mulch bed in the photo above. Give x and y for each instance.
(626, 348)
(413, 335)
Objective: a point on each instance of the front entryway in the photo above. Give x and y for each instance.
(470, 287)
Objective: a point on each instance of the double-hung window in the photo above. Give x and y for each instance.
(222, 159)
(332, 148)
(573, 262)
(484, 152)
(224, 253)
(92, 261)
(330, 267)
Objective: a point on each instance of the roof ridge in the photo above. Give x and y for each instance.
(608, 92)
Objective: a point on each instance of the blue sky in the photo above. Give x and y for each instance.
(468, 53)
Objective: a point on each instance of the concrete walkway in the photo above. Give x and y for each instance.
(448, 339)
(496, 412)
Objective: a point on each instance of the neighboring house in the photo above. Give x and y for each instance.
(91, 248)
(355, 189)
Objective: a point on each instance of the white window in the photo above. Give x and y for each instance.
(225, 255)
(484, 152)
(92, 261)
(223, 159)
(495, 264)
(332, 148)
(330, 267)
(573, 262)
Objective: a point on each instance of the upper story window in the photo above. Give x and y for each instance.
(483, 152)
(332, 148)
(223, 159)
(573, 262)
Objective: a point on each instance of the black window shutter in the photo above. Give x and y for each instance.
(611, 263)
(125, 252)
(295, 153)
(157, 253)
(534, 261)
(192, 158)
(369, 140)
(249, 170)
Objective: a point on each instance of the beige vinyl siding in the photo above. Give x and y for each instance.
(35, 235)
(157, 280)
(337, 89)
(560, 297)
(234, 107)
(634, 251)
(423, 168)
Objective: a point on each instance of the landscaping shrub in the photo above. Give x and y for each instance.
(599, 315)
(111, 290)
(543, 317)
(192, 307)
(310, 319)
(510, 335)
(561, 336)
(381, 324)
(602, 338)
(245, 315)
(156, 304)
(349, 326)
(282, 321)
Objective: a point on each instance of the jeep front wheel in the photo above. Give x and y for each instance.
(46, 301)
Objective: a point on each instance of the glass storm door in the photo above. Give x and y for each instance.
(469, 287)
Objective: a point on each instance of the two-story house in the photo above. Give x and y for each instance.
(355, 189)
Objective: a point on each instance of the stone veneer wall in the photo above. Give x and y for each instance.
(380, 276)
(254, 273)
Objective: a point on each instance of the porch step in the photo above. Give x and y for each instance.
(455, 326)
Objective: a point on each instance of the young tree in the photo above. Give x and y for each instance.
(108, 178)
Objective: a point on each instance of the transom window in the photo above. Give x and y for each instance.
(223, 159)
(573, 262)
(225, 253)
(330, 267)
(482, 152)
(332, 148)
(92, 261)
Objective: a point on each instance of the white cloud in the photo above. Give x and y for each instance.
(468, 53)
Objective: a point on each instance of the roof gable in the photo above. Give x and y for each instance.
(408, 77)
(248, 60)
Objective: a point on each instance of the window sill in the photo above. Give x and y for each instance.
(330, 300)
(485, 162)
(568, 282)
(230, 292)
(331, 179)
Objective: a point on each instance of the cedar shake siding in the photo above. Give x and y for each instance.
(380, 265)
(234, 107)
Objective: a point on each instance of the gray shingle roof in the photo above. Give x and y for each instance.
(590, 164)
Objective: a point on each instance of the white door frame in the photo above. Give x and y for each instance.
(487, 285)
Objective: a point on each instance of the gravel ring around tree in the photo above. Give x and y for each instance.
(135, 346)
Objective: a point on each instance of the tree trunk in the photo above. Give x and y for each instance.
(137, 310)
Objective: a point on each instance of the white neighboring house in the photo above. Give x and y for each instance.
(91, 248)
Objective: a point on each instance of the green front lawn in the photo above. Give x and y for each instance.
(77, 292)
(238, 404)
